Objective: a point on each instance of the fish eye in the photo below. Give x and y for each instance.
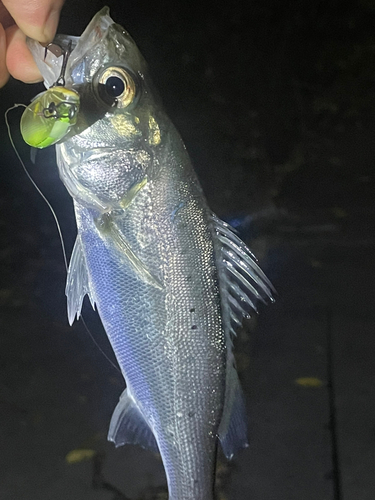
(116, 87)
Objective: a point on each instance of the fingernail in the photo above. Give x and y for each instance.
(50, 27)
(38, 80)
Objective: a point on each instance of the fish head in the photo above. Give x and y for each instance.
(118, 135)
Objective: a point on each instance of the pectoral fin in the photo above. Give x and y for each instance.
(132, 193)
(77, 283)
(109, 230)
(129, 426)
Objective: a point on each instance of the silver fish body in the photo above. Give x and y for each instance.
(168, 337)
(170, 280)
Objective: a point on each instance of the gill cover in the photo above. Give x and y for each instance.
(49, 117)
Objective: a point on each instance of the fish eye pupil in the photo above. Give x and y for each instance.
(114, 86)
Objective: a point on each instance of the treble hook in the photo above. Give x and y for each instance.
(58, 50)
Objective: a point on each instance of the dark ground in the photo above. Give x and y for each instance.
(276, 106)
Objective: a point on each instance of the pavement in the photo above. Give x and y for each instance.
(310, 381)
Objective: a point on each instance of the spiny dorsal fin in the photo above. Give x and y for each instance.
(242, 283)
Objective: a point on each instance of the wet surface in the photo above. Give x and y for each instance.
(299, 184)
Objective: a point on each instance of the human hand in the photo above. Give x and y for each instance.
(37, 19)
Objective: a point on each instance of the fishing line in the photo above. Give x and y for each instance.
(34, 183)
(56, 221)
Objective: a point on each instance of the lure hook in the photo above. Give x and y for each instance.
(58, 50)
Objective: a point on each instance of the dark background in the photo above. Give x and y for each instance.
(275, 101)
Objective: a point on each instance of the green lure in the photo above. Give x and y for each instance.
(49, 117)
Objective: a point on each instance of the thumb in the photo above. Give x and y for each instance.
(38, 19)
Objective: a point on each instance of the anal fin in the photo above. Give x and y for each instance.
(128, 425)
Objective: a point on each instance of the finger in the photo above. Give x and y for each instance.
(4, 74)
(19, 61)
(5, 18)
(38, 19)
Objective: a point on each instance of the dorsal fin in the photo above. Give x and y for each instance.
(242, 282)
(233, 429)
(242, 285)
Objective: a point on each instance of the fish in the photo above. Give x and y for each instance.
(170, 280)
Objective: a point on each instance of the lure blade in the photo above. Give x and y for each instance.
(49, 117)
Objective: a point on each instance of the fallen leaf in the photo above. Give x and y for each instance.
(309, 382)
(79, 455)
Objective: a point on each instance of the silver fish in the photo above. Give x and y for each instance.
(169, 279)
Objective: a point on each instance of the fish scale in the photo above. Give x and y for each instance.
(170, 280)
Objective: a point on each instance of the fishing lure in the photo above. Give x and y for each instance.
(51, 114)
